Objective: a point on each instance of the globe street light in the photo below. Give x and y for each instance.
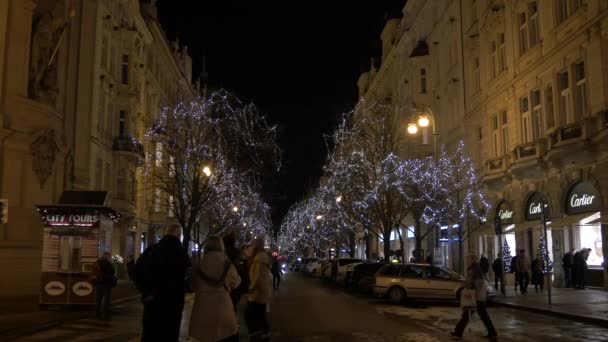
(424, 121)
(235, 209)
(319, 217)
(207, 171)
(339, 199)
(412, 128)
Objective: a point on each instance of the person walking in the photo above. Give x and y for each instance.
(580, 267)
(498, 269)
(103, 281)
(567, 264)
(523, 271)
(484, 263)
(537, 274)
(513, 269)
(259, 292)
(213, 317)
(474, 280)
(238, 260)
(276, 274)
(160, 274)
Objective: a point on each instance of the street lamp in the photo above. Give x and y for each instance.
(319, 217)
(235, 209)
(412, 128)
(339, 199)
(425, 120)
(207, 171)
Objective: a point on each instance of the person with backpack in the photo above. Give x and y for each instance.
(260, 292)
(103, 280)
(213, 317)
(277, 272)
(160, 276)
(236, 256)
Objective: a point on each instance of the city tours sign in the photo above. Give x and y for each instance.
(583, 197)
(71, 220)
(534, 206)
(504, 212)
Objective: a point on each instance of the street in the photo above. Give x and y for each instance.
(306, 309)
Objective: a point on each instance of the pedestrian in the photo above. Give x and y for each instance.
(213, 317)
(523, 271)
(276, 274)
(484, 263)
(474, 280)
(498, 269)
(513, 269)
(259, 292)
(238, 260)
(103, 280)
(160, 276)
(537, 274)
(131, 267)
(567, 263)
(580, 267)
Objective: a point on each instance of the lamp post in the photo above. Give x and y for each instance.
(425, 119)
(543, 221)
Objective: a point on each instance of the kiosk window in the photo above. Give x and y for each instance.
(70, 257)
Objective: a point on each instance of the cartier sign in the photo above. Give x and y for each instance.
(583, 197)
(504, 212)
(534, 206)
(63, 220)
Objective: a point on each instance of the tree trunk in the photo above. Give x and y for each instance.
(368, 246)
(386, 236)
(419, 256)
(351, 244)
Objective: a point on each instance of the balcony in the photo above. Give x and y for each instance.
(129, 145)
(569, 143)
(496, 175)
(527, 160)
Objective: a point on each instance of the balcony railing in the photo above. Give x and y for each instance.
(497, 165)
(128, 144)
(567, 133)
(535, 149)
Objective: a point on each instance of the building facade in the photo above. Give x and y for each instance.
(79, 83)
(524, 84)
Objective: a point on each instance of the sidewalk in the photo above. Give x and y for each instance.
(581, 305)
(17, 318)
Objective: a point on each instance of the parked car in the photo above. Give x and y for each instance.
(363, 276)
(326, 269)
(345, 278)
(397, 282)
(313, 268)
(301, 263)
(338, 270)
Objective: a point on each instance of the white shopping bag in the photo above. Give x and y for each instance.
(468, 301)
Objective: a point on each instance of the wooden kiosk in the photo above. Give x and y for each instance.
(77, 231)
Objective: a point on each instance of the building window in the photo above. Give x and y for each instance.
(423, 81)
(122, 123)
(537, 114)
(98, 173)
(523, 33)
(157, 200)
(549, 109)
(476, 78)
(504, 133)
(565, 101)
(502, 53)
(121, 184)
(533, 23)
(581, 89)
(171, 166)
(159, 154)
(493, 57)
(495, 136)
(526, 127)
(171, 212)
(124, 69)
(566, 8)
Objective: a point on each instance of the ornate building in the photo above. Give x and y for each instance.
(530, 101)
(79, 82)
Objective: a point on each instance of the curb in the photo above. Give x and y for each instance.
(580, 318)
(10, 335)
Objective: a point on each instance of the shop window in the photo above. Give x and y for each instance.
(70, 254)
(580, 90)
(591, 237)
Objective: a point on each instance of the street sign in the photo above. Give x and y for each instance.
(3, 211)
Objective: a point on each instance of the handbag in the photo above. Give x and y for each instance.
(468, 299)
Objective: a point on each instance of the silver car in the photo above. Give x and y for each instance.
(397, 282)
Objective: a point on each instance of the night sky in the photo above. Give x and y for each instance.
(298, 61)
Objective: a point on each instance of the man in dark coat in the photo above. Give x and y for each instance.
(577, 269)
(567, 263)
(160, 275)
(103, 280)
(484, 263)
(513, 269)
(498, 268)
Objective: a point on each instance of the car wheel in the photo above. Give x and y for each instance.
(396, 295)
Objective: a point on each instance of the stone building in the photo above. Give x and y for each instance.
(79, 82)
(530, 102)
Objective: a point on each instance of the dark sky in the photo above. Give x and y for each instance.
(298, 61)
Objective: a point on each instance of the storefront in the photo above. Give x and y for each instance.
(490, 245)
(76, 233)
(580, 228)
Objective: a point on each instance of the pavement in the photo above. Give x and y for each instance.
(309, 310)
(589, 305)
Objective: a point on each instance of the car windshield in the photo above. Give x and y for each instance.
(453, 274)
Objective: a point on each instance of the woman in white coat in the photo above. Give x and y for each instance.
(213, 318)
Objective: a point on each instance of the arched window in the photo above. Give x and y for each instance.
(423, 81)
